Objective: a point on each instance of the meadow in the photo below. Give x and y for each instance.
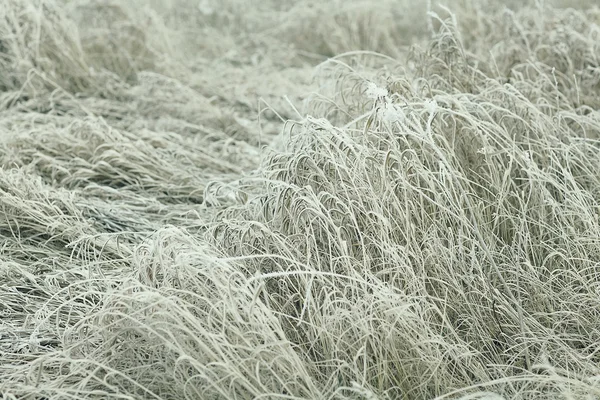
(238, 199)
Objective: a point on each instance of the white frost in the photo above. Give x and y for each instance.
(375, 92)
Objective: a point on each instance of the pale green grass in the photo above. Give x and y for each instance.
(299, 200)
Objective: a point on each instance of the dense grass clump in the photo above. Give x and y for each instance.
(299, 200)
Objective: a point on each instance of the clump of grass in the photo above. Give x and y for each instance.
(457, 190)
(120, 40)
(40, 49)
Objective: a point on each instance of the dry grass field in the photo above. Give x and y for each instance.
(308, 199)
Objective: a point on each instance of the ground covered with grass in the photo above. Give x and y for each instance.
(299, 199)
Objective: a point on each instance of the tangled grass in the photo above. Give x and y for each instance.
(299, 200)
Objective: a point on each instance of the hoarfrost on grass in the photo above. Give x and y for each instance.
(299, 199)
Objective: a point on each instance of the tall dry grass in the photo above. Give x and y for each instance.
(299, 200)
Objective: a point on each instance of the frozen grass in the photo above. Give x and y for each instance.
(299, 200)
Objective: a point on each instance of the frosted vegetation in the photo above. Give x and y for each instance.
(225, 199)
